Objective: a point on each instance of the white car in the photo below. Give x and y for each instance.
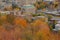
(57, 26)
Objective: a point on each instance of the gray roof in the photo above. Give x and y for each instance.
(55, 18)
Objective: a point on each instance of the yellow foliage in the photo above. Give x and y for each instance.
(3, 17)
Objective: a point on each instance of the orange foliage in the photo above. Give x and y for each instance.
(20, 21)
(8, 35)
(42, 34)
(43, 26)
(43, 31)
